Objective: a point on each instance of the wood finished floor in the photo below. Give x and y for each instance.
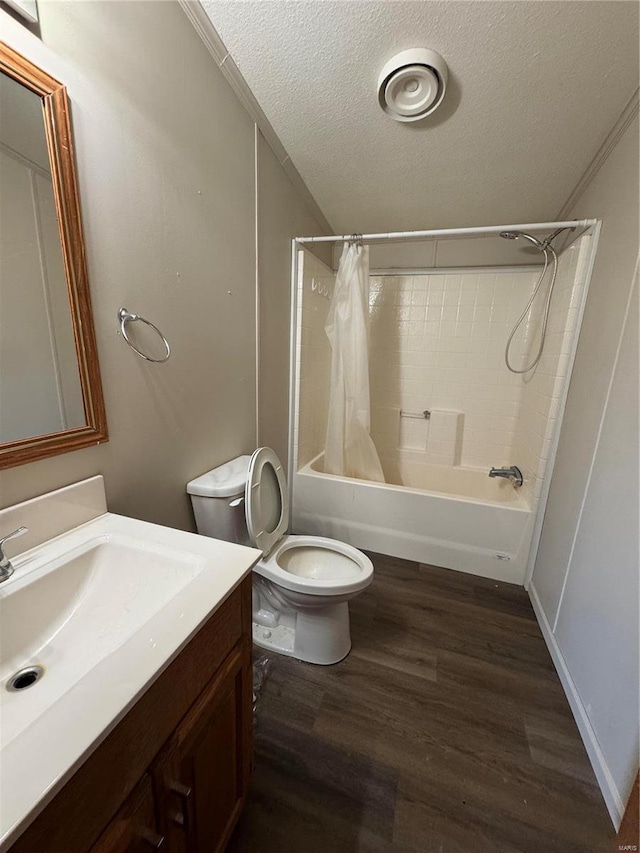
(446, 730)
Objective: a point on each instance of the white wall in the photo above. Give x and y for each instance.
(166, 167)
(585, 580)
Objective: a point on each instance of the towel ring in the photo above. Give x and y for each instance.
(125, 317)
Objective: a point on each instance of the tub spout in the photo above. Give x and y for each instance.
(514, 474)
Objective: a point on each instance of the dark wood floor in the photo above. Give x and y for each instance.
(446, 730)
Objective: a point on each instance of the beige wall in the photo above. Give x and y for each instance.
(281, 216)
(166, 157)
(586, 573)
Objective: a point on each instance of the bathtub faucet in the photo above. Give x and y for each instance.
(514, 474)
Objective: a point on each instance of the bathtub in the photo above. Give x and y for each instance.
(458, 518)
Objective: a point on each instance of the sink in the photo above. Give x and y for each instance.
(68, 613)
(101, 610)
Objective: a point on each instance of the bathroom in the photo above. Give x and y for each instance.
(493, 707)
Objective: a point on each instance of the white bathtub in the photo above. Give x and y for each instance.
(458, 518)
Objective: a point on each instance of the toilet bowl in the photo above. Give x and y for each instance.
(302, 584)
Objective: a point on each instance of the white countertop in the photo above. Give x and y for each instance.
(43, 753)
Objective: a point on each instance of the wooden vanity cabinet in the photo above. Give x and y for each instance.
(174, 773)
(134, 828)
(198, 808)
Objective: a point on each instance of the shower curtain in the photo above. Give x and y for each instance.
(349, 449)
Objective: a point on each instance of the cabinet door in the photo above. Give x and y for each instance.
(202, 775)
(133, 829)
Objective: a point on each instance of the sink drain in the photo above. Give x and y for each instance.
(25, 678)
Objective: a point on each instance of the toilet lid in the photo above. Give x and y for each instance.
(266, 500)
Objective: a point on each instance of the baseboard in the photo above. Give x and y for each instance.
(604, 778)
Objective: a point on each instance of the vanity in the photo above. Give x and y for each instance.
(137, 736)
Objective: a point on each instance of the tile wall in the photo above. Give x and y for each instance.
(437, 343)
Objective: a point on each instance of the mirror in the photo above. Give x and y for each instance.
(50, 390)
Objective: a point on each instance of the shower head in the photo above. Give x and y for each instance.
(515, 235)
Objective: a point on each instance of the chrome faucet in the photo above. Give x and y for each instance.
(6, 569)
(514, 474)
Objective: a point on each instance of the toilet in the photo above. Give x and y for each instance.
(302, 584)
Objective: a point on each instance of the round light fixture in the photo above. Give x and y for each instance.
(412, 84)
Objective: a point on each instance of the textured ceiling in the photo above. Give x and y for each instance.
(534, 88)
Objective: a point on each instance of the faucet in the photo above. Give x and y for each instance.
(514, 474)
(6, 569)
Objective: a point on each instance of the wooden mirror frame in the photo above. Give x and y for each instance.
(55, 108)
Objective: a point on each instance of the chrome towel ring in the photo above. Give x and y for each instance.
(127, 317)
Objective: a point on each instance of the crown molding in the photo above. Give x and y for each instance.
(223, 59)
(626, 117)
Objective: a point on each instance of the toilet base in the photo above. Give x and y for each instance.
(280, 639)
(321, 635)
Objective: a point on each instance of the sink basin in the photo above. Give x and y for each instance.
(69, 613)
(102, 609)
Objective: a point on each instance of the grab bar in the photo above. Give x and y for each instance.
(425, 414)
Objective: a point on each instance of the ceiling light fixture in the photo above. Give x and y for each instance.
(412, 84)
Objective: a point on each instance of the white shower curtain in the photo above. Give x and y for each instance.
(349, 449)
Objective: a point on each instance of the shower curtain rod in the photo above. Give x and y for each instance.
(453, 232)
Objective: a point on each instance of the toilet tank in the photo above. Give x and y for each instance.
(217, 498)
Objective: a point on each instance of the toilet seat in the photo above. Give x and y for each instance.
(314, 565)
(266, 500)
(352, 570)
